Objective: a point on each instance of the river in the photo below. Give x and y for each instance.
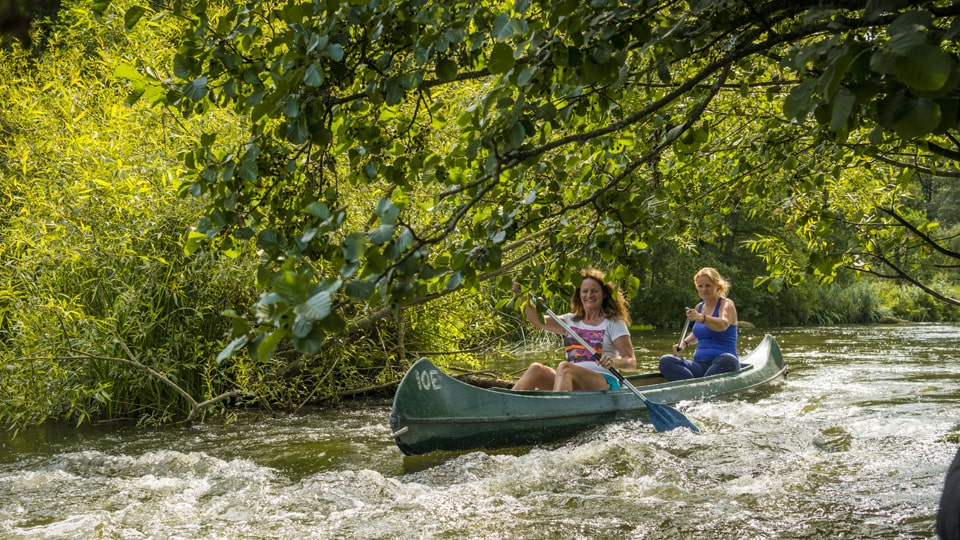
(854, 444)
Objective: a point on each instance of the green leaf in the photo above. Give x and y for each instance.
(313, 76)
(454, 280)
(268, 344)
(359, 289)
(912, 22)
(232, 347)
(388, 211)
(196, 89)
(446, 70)
(675, 132)
(315, 308)
(335, 51)
(877, 8)
(798, 103)
(501, 59)
(182, 66)
(922, 118)
(392, 92)
(515, 136)
(310, 344)
(835, 74)
(841, 107)
(349, 268)
(562, 9)
(319, 210)
(126, 71)
(301, 326)
(663, 72)
(526, 75)
(133, 16)
(909, 116)
(903, 42)
(381, 235)
(354, 246)
(404, 239)
(925, 68)
(100, 6)
(287, 287)
(506, 27)
(194, 242)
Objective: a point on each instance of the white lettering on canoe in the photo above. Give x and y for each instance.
(429, 380)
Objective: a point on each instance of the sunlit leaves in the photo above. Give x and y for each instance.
(101, 202)
(476, 125)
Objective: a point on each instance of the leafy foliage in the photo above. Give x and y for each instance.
(394, 165)
(485, 134)
(94, 269)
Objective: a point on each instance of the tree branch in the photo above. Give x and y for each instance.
(923, 236)
(900, 274)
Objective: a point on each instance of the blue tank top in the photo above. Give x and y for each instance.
(710, 343)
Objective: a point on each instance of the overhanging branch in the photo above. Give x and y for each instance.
(923, 236)
(901, 274)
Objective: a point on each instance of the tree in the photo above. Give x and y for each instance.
(398, 151)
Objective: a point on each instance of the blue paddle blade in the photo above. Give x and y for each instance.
(664, 417)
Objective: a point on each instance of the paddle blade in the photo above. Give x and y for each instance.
(664, 417)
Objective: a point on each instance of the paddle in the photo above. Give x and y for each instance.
(684, 333)
(663, 417)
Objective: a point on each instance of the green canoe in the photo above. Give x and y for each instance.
(433, 411)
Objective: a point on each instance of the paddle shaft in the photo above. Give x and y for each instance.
(683, 334)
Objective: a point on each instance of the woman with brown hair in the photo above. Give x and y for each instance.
(599, 315)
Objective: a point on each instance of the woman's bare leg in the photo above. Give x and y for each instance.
(537, 377)
(573, 377)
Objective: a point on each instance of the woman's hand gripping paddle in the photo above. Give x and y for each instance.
(663, 417)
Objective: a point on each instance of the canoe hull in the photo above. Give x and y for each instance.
(433, 411)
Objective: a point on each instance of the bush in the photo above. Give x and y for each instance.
(90, 232)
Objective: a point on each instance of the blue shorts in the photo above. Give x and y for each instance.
(614, 383)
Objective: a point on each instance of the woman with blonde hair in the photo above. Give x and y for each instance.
(714, 331)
